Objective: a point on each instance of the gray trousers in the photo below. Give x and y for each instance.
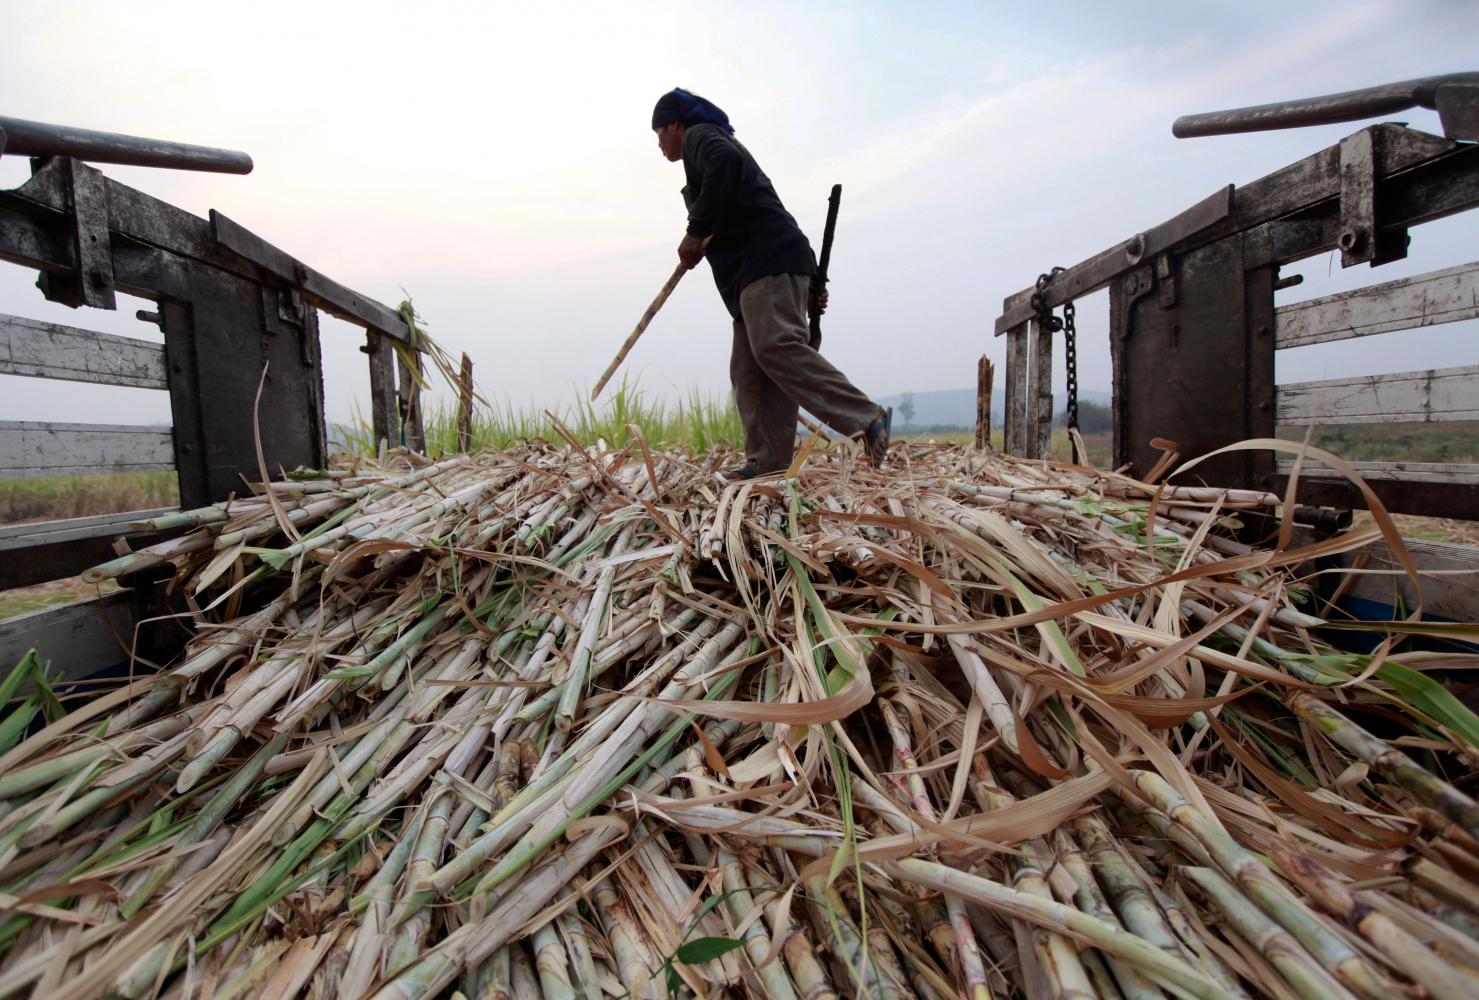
(775, 370)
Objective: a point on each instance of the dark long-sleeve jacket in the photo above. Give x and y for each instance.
(730, 198)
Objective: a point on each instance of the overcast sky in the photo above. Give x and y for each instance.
(495, 161)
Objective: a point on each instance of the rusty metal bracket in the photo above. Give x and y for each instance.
(1357, 199)
(293, 310)
(1133, 287)
(284, 310)
(89, 197)
(289, 306)
(1165, 275)
(281, 305)
(84, 193)
(1362, 158)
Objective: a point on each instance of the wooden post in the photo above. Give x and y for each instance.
(1039, 400)
(1015, 425)
(985, 376)
(464, 406)
(412, 433)
(384, 421)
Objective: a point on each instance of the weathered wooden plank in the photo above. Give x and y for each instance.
(54, 550)
(79, 639)
(20, 536)
(1446, 570)
(49, 350)
(384, 418)
(28, 449)
(1434, 499)
(1444, 296)
(1391, 472)
(1402, 397)
(1040, 392)
(1014, 425)
(408, 392)
(137, 215)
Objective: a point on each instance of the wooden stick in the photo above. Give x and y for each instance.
(985, 375)
(464, 405)
(814, 427)
(662, 297)
(626, 347)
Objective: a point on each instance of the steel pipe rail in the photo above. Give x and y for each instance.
(28, 138)
(1449, 94)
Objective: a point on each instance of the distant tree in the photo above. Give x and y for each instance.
(1093, 418)
(906, 409)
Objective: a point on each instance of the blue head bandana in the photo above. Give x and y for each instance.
(678, 105)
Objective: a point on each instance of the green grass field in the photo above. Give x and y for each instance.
(695, 424)
(53, 498)
(1456, 441)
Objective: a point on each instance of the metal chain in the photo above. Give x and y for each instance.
(1052, 324)
(1070, 359)
(1045, 315)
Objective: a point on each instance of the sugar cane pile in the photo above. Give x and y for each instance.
(569, 722)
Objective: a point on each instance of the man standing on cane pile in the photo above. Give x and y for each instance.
(764, 267)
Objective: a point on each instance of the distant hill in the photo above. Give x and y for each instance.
(957, 407)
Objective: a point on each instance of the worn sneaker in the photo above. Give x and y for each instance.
(739, 472)
(875, 438)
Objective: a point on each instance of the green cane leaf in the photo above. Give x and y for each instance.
(705, 949)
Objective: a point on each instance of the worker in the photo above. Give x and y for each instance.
(764, 268)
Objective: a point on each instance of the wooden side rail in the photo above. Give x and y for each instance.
(1194, 331)
(1402, 397)
(1377, 473)
(48, 350)
(1449, 575)
(1445, 296)
(1438, 395)
(53, 550)
(79, 639)
(29, 448)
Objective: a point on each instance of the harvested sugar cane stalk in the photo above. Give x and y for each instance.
(587, 722)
